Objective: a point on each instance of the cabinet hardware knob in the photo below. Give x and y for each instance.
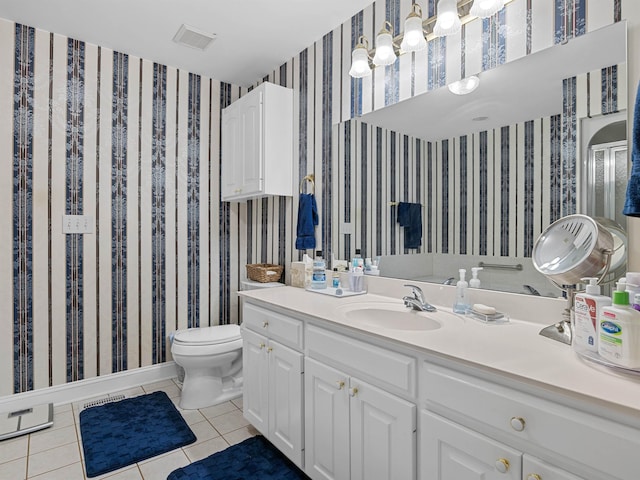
(265, 324)
(353, 391)
(269, 349)
(340, 385)
(502, 465)
(517, 423)
(261, 345)
(534, 476)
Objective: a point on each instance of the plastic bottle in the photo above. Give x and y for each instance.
(633, 284)
(357, 259)
(587, 310)
(619, 341)
(474, 282)
(319, 275)
(335, 278)
(461, 304)
(636, 302)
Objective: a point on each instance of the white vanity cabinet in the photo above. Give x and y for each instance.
(546, 438)
(273, 379)
(257, 144)
(353, 429)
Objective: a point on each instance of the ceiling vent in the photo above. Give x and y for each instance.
(194, 38)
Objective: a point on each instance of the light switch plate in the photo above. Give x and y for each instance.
(77, 224)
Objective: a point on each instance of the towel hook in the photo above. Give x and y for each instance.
(310, 178)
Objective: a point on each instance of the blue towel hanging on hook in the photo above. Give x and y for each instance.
(632, 202)
(307, 221)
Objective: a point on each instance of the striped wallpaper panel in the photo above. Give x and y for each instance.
(136, 145)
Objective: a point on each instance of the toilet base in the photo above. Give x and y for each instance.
(205, 392)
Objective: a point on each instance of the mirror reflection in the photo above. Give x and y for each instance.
(541, 137)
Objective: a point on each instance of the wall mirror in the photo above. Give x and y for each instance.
(539, 139)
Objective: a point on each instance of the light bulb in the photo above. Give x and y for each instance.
(413, 39)
(384, 49)
(448, 20)
(360, 62)
(486, 8)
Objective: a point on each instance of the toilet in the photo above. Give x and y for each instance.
(211, 360)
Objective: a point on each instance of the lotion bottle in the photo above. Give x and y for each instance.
(461, 304)
(619, 341)
(474, 282)
(587, 310)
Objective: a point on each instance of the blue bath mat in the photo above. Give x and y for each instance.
(122, 433)
(253, 459)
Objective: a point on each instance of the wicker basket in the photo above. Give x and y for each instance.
(264, 272)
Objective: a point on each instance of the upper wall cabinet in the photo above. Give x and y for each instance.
(257, 144)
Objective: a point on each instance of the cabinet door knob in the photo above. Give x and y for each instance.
(517, 423)
(502, 465)
(353, 391)
(534, 476)
(261, 345)
(269, 349)
(340, 385)
(265, 324)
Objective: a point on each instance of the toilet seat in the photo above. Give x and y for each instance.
(208, 335)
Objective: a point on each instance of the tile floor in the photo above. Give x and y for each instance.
(56, 453)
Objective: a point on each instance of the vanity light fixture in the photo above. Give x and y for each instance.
(486, 8)
(413, 40)
(465, 85)
(448, 21)
(360, 59)
(385, 54)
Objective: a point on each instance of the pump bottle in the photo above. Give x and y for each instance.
(474, 282)
(619, 340)
(461, 304)
(587, 310)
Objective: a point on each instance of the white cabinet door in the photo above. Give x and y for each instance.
(326, 422)
(231, 151)
(449, 451)
(535, 469)
(285, 400)
(252, 125)
(255, 401)
(383, 434)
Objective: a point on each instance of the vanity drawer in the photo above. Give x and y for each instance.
(282, 328)
(384, 367)
(581, 437)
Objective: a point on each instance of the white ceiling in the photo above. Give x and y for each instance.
(254, 37)
(524, 89)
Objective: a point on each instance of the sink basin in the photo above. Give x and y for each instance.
(393, 316)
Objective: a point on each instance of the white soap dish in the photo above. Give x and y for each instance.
(494, 318)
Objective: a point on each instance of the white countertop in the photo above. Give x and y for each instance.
(515, 349)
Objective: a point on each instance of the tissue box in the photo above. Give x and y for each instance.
(300, 275)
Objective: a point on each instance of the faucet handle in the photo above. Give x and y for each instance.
(417, 291)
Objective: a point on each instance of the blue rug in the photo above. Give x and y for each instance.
(253, 459)
(121, 433)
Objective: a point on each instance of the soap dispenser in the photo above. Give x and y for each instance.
(587, 310)
(474, 282)
(461, 304)
(619, 330)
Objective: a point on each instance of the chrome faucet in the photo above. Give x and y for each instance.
(417, 301)
(449, 281)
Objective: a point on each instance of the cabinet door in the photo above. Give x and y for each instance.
(326, 422)
(535, 469)
(231, 152)
(252, 144)
(255, 369)
(383, 434)
(285, 400)
(449, 451)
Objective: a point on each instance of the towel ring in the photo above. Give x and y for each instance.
(309, 178)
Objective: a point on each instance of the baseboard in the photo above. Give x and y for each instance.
(91, 387)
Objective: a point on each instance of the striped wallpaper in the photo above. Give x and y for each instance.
(136, 146)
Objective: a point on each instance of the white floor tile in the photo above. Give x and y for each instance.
(62, 419)
(53, 459)
(70, 472)
(128, 474)
(47, 439)
(240, 435)
(237, 402)
(161, 467)
(204, 431)
(217, 410)
(203, 450)
(14, 448)
(192, 416)
(15, 469)
(229, 422)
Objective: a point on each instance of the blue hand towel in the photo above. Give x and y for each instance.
(307, 221)
(410, 217)
(632, 202)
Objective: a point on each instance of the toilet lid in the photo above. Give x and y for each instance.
(208, 335)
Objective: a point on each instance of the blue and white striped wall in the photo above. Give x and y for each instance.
(136, 145)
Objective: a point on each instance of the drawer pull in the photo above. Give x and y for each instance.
(353, 391)
(265, 324)
(502, 465)
(261, 345)
(518, 423)
(534, 476)
(269, 349)
(340, 385)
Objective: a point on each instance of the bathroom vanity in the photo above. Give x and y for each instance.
(363, 388)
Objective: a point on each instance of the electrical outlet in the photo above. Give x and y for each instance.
(77, 224)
